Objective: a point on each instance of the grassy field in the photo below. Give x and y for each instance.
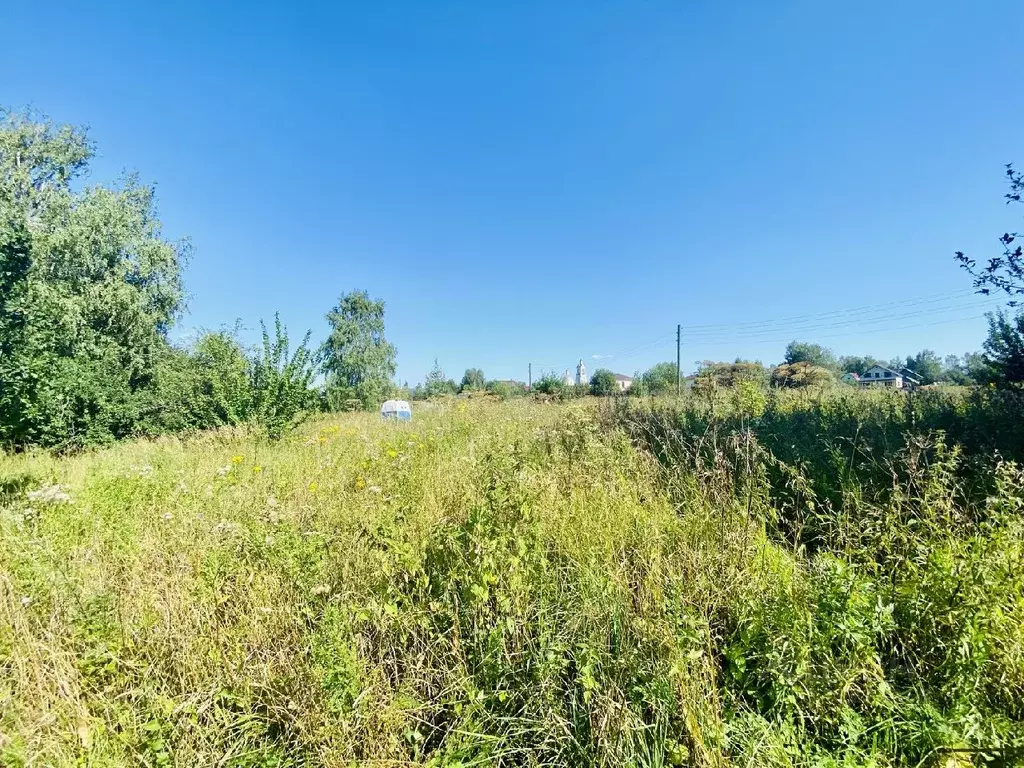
(509, 584)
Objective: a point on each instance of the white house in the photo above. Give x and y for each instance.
(623, 382)
(880, 376)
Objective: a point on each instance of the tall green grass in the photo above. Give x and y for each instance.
(895, 632)
(508, 584)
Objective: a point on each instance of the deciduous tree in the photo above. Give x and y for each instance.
(90, 290)
(815, 354)
(473, 379)
(926, 365)
(659, 379)
(357, 359)
(603, 382)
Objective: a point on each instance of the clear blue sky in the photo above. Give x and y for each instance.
(545, 181)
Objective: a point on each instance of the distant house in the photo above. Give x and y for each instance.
(880, 376)
(623, 382)
(850, 378)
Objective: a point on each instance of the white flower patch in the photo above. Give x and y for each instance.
(49, 494)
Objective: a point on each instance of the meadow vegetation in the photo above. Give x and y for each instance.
(736, 578)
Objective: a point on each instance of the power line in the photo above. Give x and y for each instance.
(709, 342)
(816, 327)
(867, 308)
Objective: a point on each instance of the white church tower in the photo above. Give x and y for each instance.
(581, 373)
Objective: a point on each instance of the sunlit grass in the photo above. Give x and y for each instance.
(491, 584)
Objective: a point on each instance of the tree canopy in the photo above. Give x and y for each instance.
(659, 379)
(1004, 349)
(926, 365)
(603, 382)
(90, 289)
(357, 359)
(437, 383)
(815, 354)
(857, 363)
(795, 375)
(473, 379)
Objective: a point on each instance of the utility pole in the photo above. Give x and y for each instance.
(529, 377)
(679, 368)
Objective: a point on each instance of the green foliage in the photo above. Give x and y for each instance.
(711, 375)
(1004, 349)
(553, 385)
(472, 380)
(279, 383)
(971, 368)
(549, 384)
(659, 379)
(506, 389)
(436, 384)
(358, 360)
(90, 290)
(794, 375)
(223, 377)
(857, 363)
(926, 365)
(206, 385)
(885, 628)
(814, 354)
(800, 579)
(602, 383)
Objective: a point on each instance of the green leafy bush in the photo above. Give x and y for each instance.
(279, 383)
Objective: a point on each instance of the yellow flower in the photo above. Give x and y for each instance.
(312, 486)
(257, 469)
(360, 483)
(237, 459)
(392, 454)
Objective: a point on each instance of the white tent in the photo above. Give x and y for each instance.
(396, 409)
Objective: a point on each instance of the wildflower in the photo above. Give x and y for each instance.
(26, 601)
(237, 459)
(49, 494)
(222, 471)
(166, 516)
(392, 453)
(360, 483)
(257, 469)
(312, 486)
(374, 489)
(271, 501)
(322, 589)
